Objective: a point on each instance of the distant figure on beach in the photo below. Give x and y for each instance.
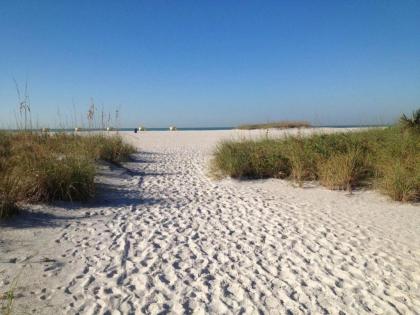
(135, 130)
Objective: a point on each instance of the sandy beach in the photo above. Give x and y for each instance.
(163, 237)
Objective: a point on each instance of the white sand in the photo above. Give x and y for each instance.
(164, 238)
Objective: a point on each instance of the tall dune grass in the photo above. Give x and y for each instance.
(41, 168)
(342, 171)
(8, 197)
(250, 159)
(387, 158)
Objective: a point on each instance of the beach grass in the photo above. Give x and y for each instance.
(37, 167)
(8, 197)
(250, 159)
(111, 149)
(276, 125)
(7, 300)
(342, 171)
(383, 158)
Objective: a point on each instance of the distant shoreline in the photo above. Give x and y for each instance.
(194, 128)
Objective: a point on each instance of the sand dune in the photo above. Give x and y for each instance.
(162, 237)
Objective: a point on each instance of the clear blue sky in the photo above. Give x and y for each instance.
(212, 63)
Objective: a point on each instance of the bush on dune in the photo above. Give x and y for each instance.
(57, 178)
(342, 171)
(42, 168)
(398, 166)
(386, 158)
(7, 184)
(301, 159)
(400, 181)
(269, 161)
(110, 149)
(249, 159)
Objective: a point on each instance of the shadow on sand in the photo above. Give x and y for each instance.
(30, 218)
(112, 191)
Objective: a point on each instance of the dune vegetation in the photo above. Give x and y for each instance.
(387, 159)
(37, 167)
(276, 125)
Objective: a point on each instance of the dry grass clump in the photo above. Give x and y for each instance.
(7, 184)
(41, 168)
(342, 171)
(398, 166)
(400, 182)
(57, 178)
(387, 158)
(111, 149)
(277, 125)
(8, 197)
(302, 161)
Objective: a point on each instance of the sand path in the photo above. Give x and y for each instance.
(165, 238)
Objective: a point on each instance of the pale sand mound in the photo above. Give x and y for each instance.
(164, 238)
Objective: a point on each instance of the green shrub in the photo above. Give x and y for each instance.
(301, 158)
(398, 166)
(114, 150)
(400, 181)
(250, 159)
(268, 160)
(388, 158)
(233, 159)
